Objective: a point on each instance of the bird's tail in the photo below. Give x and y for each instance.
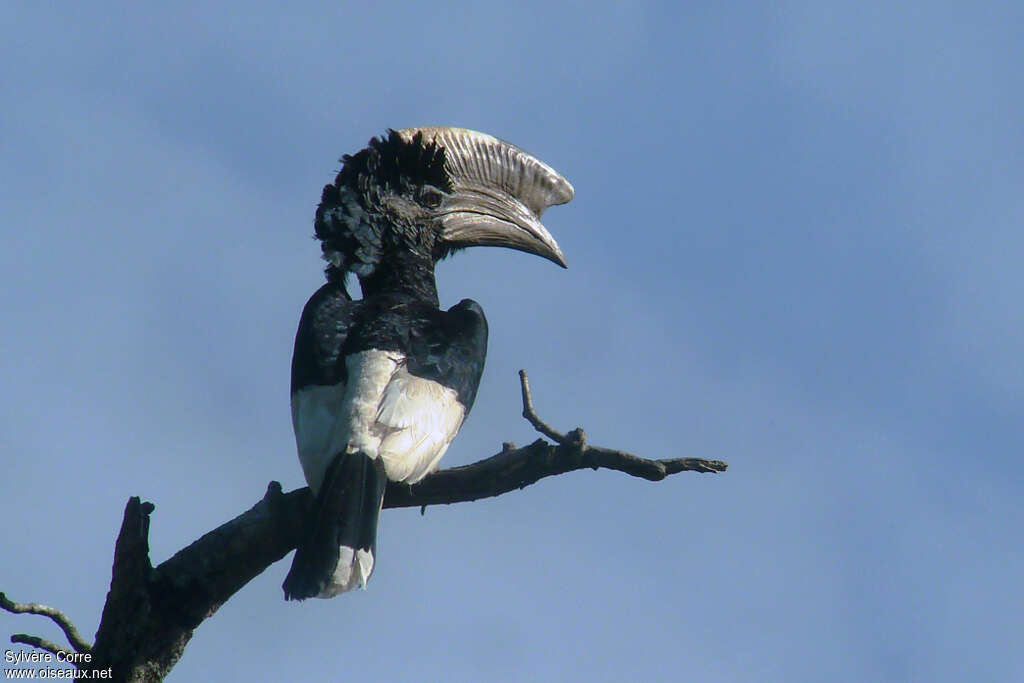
(338, 551)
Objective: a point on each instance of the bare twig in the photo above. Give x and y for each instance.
(43, 644)
(676, 465)
(531, 415)
(56, 615)
(652, 470)
(515, 468)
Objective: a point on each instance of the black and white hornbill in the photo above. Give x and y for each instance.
(381, 385)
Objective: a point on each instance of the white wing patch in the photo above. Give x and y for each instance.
(421, 417)
(383, 411)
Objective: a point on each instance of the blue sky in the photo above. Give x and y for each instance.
(795, 246)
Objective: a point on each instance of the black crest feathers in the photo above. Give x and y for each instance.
(389, 164)
(392, 162)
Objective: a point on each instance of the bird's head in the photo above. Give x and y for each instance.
(424, 192)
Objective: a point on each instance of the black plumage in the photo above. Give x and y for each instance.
(448, 347)
(381, 385)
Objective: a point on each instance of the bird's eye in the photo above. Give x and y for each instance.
(430, 198)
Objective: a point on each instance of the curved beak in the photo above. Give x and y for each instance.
(476, 217)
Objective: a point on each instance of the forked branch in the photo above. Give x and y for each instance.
(515, 468)
(70, 632)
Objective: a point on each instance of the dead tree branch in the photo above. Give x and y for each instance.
(151, 613)
(531, 415)
(42, 644)
(58, 617)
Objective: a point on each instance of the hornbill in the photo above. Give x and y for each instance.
(381, 385)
